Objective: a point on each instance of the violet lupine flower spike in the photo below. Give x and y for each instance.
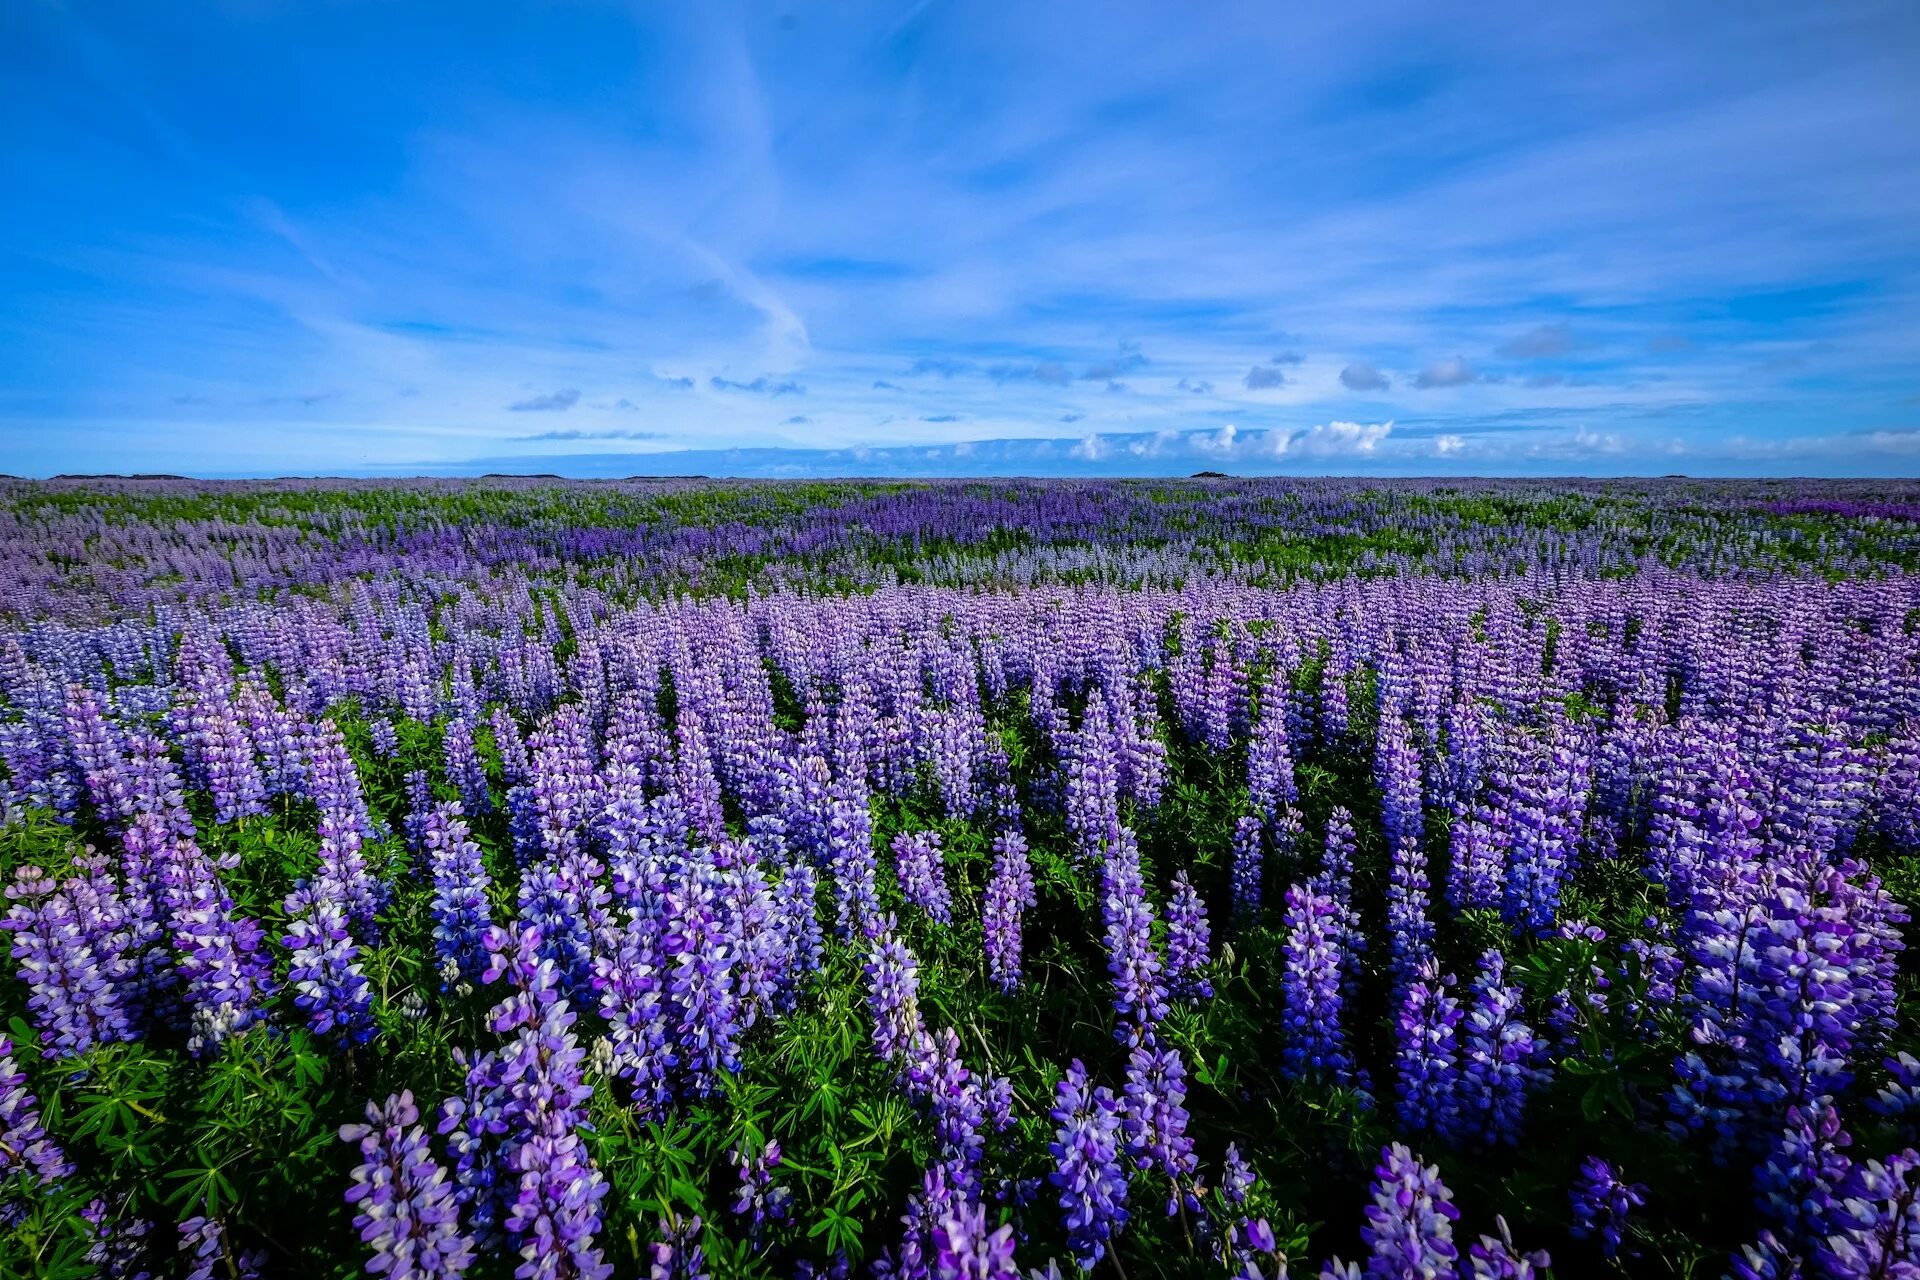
(1409, 1227)
(1139, 993)
(404, 1205)
(1155, 1119)
(1495, 1258)
(210, 1257)
(923, 879)
(678, 1254)
(71, 969)
(1249, 869)
(1009, 893)
(1313, 1042)
(461, 916)
(1086, 1164)
(1602, 1204)
(964, 1248)
(1497, 1058)
(1427, 1061)
(24, 1144)
(555, 1210)
(757, 1199)
(1878, 1224)
(1188, 938)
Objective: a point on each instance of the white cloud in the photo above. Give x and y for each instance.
(1090, 449)
(1448, 445)
(1446, 373)
(1331, 439)
(1220, 442)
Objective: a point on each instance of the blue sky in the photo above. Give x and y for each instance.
(248, 237)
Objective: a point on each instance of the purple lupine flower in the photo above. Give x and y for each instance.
(1796, 1183)
(1396, 770)
(116, 1250)
(1428, 1057)
(633, 1003)
(1270, 780)
(893, 997)
(95, 745)
(699, 954)
(964, 1248)
(223, 975)
(277, 739)
(218, 749)
(850, 860)
(800, 922)
(71, 969)
(24, 1144)
(563, 899)
(677, 1254)
(1409, 1228)
(1086, 1152)
(555, 1213)
(1410, 929)
(1009, 893)
(1334, 882)
(1139, 994)
(1248, 866)
(461, 916)
(1237, 1177)
(465, 770)
(343, 877)
(756, 933)
(1155, 1121)
(210, 1257)
(384, 737)
(1495, 1258)
(1785, 989)
(564, 785)
(474, 1127)
(515, 763)
(325, 975)
(757, 1199)
(1313, 1041)
(1547, 800)
(923, 881)
(1877, 1228)
(935, 1200)
(1251, 1243)
(1187, 941)
(1602, 1204)
(1496, 1057)
(1898, 1100)
(957, 1103)
(405, 1206)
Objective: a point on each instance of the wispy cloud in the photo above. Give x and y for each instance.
(1264, 377)
(1540, 342)
(1454, 372)
(591, 435)
(1361, 376)
(1046, 371)
(1112, 370)
(551, 402)
(764, 385)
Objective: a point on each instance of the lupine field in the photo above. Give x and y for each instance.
(959, 880)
